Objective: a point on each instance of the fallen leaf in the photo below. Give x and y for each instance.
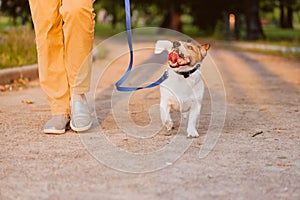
(2, 88)
(284, 164)
(280, 129)
(47, 110)
(281, 157)
(27, 101)
(263, 109)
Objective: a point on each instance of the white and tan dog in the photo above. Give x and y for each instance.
(183, 90)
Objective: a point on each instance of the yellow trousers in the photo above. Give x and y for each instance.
(64, 37)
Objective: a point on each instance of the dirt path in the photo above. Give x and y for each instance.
(263, 96)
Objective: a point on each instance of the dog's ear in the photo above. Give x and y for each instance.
(162, 45)
(205, 46)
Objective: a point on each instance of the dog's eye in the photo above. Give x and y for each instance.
(176, 44)
(190, 47)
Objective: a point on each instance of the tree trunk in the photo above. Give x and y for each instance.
(282, 14)
(237, 27)
(175, 17)
(254, 28)
(114, 18)
(172, 19)
(289, 17)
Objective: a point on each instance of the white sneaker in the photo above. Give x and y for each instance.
(57, 124)
(80, 114)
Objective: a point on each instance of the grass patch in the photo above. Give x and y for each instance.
(4, 22)
(290, 55)
(17, 47)
(286, 37)
(107, 30)
(280, 37)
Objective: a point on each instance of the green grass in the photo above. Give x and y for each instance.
(289, 55)
(4, 22)
(107, 30)
(288, 37)
(279, 37)
(17, 47)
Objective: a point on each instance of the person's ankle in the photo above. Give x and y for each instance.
(78, 97)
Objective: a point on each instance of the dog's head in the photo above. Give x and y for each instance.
(183, 55)
(186, 54)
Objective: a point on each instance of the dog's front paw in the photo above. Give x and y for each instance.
(193, 133)
(169, 125)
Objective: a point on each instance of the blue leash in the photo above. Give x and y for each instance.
(125, 76)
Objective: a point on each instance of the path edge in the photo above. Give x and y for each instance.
(9, 75)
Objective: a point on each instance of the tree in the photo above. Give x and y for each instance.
(172, 17)
(15, 9)
(115, 9)
(254, 28)
(206, 14)
(286, 13)
(286, 7)
(170, 10)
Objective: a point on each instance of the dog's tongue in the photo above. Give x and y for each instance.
(176, 61)
(173, 57)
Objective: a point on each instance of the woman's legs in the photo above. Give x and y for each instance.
(78, 29)
(48, 25)
(64, 36)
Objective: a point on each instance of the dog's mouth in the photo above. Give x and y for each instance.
(176, 59)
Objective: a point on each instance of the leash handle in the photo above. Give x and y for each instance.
(129, 39)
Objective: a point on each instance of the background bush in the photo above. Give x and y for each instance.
(17, 47)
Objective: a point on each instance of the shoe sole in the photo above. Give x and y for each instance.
(54, 131)
(80, 129)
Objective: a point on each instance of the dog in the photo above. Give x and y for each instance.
(183, 90)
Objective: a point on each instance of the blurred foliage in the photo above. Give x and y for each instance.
(17, 47)
(167, 13)
(204, 16)
(196, 18)
(289, 36)
(287, 10)
(16, 9)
